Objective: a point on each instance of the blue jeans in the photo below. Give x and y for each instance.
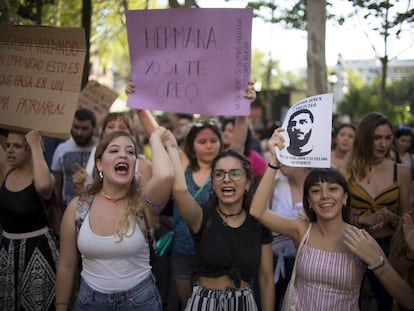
(143, 297)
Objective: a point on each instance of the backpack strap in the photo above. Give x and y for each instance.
(82, 209)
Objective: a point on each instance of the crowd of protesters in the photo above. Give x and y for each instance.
(198, 177)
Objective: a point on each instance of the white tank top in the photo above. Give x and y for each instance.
(109, 265)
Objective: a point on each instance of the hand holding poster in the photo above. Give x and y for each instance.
(40, 77)
(308, 127)
(190, 60)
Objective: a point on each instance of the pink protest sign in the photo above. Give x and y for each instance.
(190, 60)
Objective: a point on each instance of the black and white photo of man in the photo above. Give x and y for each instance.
(299, 130)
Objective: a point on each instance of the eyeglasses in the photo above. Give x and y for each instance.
(234, 174)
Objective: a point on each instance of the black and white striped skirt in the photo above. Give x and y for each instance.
(232, 299)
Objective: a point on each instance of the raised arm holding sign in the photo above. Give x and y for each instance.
(190, 60)
(308, 126)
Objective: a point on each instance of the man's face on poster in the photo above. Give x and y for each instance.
(299, 128)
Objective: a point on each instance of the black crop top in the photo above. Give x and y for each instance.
(223, 250)
(21, 211)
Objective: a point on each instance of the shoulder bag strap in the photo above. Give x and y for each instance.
(201, 188)
(82, 208)
(305, 237)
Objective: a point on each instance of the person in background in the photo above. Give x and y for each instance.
(343, 138)
(400, 152)
(73, 153)
(112, 231)
(402, 250)
(51, 143)
(114, 121)
(183, 123)
(257, 120)
(232, 248)
(258, 162)
(28, 249)
(335, 254)
(379, 189)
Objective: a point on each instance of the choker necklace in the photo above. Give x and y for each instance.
(109, 198)
(228, 215)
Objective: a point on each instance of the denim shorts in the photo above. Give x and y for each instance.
(143, 297)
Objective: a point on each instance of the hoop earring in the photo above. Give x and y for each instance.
(100, 175)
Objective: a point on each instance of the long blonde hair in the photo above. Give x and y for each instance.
(137, 207)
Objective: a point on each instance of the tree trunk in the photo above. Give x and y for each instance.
(5, 12)
(384, 68)
(316, 71)
(86, 23)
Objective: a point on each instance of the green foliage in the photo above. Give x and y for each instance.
(362, 99)
(267, 71)
(292, 14)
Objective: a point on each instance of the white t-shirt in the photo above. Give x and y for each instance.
(65, 156)
(282, 204)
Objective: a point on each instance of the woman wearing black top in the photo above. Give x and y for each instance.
(231, 245)
(28, 252)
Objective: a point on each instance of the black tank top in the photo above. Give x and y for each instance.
(21, 211)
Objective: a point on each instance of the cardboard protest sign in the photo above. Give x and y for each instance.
(308, 128)
(98, 98)
(190, 60)
(40, 77)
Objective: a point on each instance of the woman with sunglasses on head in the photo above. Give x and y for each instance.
(232, 248)
(28, 251)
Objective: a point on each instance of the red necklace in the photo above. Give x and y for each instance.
(109, 198)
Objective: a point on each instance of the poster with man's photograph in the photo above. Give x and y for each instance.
(308, 126)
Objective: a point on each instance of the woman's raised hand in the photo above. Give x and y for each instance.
(250, 92)
(276, 140)
(33, 138)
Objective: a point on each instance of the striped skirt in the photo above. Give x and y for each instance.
(232, 299)
(28, 271)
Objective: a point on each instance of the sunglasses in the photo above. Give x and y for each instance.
(201, 123)
(234, 174)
